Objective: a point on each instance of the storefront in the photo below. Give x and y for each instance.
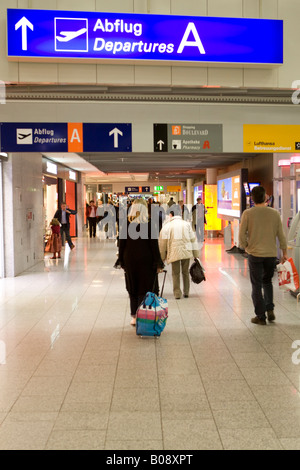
(71, 197)
(59, 185)
(50, 194)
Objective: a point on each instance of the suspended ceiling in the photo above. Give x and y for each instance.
(104, 168)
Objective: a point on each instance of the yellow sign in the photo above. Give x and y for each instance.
(173, 189)
(211, 198)
(271, 138)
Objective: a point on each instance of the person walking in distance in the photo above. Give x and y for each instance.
(177, 245)
(198, 219)
(63, 216)
(260, 229)
(91, 215)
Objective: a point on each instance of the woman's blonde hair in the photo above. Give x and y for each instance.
(54, 222)
(138, 211)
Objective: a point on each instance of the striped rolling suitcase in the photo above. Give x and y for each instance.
(152, 314)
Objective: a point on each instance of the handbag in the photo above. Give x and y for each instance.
(288, 277)
(197, 271)
(48, 246)
(152, 314)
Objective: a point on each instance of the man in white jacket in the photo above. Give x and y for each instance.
(177, 245)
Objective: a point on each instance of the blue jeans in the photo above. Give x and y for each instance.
(261, 274)
(65, 233)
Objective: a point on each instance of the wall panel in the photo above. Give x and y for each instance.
(251, 8)
(35, 73)
(72, 73)
(189, 7)
(230, 8)
(118, 74)
(190, 76)
(219, 76)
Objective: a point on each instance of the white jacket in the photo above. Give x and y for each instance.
(177, 240)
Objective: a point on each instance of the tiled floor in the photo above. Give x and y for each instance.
(74, 375)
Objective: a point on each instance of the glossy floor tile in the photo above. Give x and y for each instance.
(74, 375)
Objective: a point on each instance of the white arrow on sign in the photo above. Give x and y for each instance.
(160, 144)
(115, 133)
(24, 23)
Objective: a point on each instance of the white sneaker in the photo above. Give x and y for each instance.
(133, 321)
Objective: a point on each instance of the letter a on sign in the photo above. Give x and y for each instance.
(191, 28)
(75, 137)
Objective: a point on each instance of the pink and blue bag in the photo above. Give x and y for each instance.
(152, 314)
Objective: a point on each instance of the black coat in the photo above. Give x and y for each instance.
(58, 215)
(140, 259)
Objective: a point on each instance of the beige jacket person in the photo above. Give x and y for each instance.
(177, 240)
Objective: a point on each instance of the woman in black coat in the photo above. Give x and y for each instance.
(139, 256)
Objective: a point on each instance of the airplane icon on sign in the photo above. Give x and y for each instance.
(71, 34)
(66, 36)
(23, 136)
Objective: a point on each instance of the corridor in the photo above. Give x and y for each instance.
(74, 375)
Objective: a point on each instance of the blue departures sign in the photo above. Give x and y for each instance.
(58, 137)
(51, 35)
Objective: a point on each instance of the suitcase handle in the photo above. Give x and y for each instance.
(156, 278)
(162, 289)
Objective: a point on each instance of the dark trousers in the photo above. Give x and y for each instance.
(65, 232)
(135, 301)
(199, 229)
(92, 226)
(261, 274)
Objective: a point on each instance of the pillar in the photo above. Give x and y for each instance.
(181, 191)
(189, 191)
(211, 176)
(285, 198)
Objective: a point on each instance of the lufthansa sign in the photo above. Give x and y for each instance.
(43, 35)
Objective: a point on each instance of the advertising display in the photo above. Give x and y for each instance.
(231, 194)
(252, 185)
(198, 192)
(213, 223)
(41, 35)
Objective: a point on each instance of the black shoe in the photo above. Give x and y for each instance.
(270, 315)
(258, 321)
(185, 296)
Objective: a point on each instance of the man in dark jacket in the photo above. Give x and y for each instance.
(63, 216)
